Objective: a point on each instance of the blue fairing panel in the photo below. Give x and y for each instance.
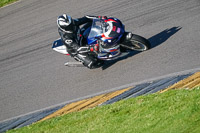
(57, 43)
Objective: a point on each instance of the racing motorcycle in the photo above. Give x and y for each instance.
(111, 37)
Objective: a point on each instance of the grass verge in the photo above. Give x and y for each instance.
(6, 2)
(175, 111)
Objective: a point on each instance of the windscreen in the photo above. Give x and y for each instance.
(96, 29)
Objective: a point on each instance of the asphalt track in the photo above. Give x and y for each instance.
(32, 76)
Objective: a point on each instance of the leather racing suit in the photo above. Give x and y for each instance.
(73, 42)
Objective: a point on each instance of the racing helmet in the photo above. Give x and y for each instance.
(113, 30)
(65, 23)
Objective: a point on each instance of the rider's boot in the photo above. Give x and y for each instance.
(88, 61)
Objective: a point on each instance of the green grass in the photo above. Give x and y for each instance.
(175, 111)
(6, 2)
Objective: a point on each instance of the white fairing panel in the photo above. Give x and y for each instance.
(59, 47)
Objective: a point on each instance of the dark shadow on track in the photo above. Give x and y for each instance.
(155, 40)
(163, 36)
(107, 64)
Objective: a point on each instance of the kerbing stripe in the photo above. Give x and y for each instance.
(86, 103)
(190, 82)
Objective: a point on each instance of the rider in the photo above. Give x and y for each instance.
(69, 31)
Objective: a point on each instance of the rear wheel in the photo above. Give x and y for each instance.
(137, 43)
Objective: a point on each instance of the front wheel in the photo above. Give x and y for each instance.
(137, 43)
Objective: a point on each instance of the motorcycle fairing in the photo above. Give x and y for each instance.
(59, 47)
(101, 30)
(109, 54)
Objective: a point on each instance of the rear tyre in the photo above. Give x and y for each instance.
(137, 43)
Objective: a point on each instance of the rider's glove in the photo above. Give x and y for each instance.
(94, 48)
(102, 17)
(95, 17)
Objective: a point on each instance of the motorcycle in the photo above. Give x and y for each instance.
(111, 36)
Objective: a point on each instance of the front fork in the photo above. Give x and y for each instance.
(125, 38)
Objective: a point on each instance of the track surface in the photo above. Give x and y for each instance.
(32, 76)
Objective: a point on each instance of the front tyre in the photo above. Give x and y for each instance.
(137, 43)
